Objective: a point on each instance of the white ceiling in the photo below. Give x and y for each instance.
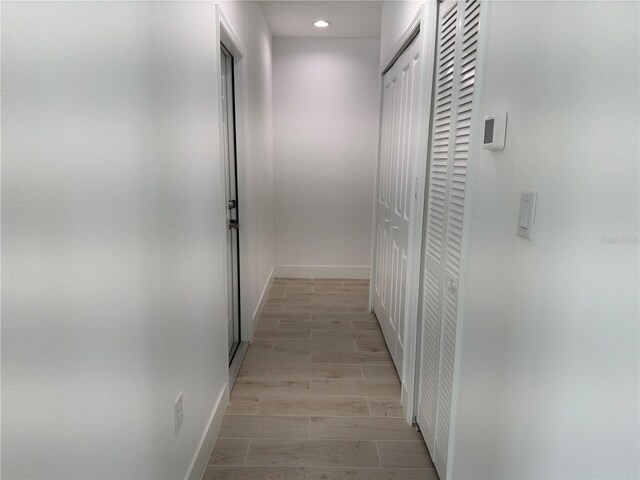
(349, 18)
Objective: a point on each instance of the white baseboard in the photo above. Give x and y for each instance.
(211, 431)
(263, 301)
(321, 271)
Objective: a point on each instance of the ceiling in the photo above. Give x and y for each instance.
(349, 19)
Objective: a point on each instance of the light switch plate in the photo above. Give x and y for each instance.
(178, 412)
(527, 214)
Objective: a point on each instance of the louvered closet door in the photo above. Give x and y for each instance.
(458, 23)
(397, 156)
(436, 206)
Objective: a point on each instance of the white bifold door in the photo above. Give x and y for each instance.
(457, 39)
(398, 138)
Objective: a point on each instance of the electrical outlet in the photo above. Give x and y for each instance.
(178, 412)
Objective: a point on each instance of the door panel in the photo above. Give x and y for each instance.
(436, 208)
(395, 183)
(382, 219)
(231, 191)
(458, 28)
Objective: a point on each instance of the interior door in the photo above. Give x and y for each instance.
(395, 189)
(229, 140)
(458, 29)
(383, 216)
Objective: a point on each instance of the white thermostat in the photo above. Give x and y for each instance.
(495, 131)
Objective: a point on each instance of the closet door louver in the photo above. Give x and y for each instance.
(459, 152)
(455, 77)
(436, 207)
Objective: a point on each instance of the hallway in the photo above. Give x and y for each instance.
(317, 396)
(249, 240)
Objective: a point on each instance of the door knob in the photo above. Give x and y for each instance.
(395, 227)
(233, 224)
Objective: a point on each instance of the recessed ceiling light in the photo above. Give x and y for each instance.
(321, 24)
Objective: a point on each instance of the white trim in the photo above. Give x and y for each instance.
(228, 35)
(402, 42)
(428, 40)
(260, 307)
(475, 148)
(208, 440)
(321, 271)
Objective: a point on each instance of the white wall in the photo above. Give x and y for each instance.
(548, 378)
(257, 210)
(326, 110)
(112, 238)
(396, 17)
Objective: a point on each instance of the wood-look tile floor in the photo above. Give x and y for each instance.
(317, 396)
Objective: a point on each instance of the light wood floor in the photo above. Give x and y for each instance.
(317, 396)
